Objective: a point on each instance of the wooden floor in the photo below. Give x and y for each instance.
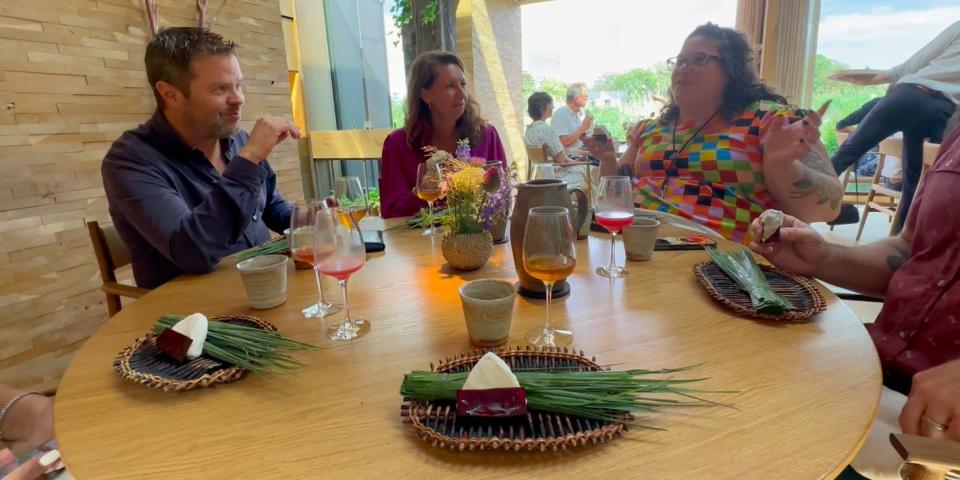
(877, 228)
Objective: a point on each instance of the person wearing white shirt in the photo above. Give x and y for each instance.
(925, 94)
(571, 121)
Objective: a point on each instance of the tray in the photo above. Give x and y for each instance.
(437, 423)
(143, 363)
(800, 291)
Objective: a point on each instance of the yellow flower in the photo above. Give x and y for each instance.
(467, 180)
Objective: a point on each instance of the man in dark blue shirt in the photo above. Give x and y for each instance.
(188, 187)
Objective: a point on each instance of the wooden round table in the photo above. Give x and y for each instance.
(807, 392)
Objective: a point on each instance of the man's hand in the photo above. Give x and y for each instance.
(934, 401)
(267, 133)
(587, 123)
(800, 250)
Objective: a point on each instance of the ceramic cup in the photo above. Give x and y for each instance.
(639, 238)
(265, 280)
(488, 309)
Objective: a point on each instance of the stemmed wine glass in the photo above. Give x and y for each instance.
(302, 225)
(428, 190)
(613, 206)
(549, 255)
(347, 254)
(351, 200)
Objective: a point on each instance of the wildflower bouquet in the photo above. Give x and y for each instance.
(476, 192)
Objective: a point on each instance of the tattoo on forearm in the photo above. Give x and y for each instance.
(818, 180)
(896, 261)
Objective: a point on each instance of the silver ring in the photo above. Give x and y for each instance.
(934, 424)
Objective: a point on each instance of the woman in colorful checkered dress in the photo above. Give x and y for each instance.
(726, 147)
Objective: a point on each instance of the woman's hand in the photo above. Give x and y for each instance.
(785, 142)
(603, 150)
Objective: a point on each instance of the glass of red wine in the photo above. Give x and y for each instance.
(300, 240)
(342, 244)
(613, 207)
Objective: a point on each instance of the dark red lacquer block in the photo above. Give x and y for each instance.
(174, 343)
(493, 402)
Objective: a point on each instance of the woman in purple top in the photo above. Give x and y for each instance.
(439, 112)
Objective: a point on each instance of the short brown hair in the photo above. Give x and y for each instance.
(170, 52)
(418, 122)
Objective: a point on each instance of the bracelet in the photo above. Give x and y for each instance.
(6, 408)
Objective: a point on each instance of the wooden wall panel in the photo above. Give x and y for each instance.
(71, 81)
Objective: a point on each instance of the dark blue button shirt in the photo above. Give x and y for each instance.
(175, 213)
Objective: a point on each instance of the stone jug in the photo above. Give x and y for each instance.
(540, 193)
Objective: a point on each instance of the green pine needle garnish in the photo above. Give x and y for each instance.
(260, 351)
(274, 246)
(604, 395)
(743, 269)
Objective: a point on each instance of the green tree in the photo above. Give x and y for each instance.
(556, 89)
(639, 84)
(845, 97)
(529, 85)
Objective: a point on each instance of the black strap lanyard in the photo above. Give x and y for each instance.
(674, 154)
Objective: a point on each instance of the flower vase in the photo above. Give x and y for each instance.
(467, 252)
(498, 230)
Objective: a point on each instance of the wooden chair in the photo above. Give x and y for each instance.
(328, 146)
(537, 155)
(111, 254)
(930, 151)
(891, 207)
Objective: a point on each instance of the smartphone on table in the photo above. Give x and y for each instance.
(691, 242)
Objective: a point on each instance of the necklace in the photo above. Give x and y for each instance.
(669, 167)
(674, 153)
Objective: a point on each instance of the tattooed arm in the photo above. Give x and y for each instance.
(807, 187)
(863, 268)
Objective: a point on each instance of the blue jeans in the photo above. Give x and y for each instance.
(910, 109)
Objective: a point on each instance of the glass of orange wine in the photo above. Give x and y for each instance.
(613, 207)
(346, 256)
(352, 200)
(302, 225)
(549, 255)
(428, 190)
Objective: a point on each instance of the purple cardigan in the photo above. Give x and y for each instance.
(398, 170)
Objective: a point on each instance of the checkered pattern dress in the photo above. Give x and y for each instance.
(717, 180)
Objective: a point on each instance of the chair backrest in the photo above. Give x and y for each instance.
(110, 251)
(892, 146)
(930, 151)
(534, 155)
(347, 144)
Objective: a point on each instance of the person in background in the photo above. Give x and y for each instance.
(571, 121)
(917, 273)
(925, 94)
(726, 147)
(189, 187)
(440, 112)
(540, 134)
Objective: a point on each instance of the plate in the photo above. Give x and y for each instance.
(800, 291)
(143, 363)
(437, 423)
(860, 73)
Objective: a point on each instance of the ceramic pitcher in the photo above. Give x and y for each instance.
(540, 193)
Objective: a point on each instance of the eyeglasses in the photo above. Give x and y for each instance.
(696, 61)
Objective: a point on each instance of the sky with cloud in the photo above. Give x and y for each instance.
(580, 40)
